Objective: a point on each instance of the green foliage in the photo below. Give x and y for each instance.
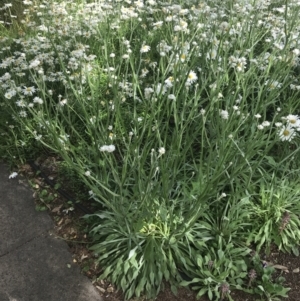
(276, 209)
(138, 256)
(179, 121)
(222, 266)
(264, 283)
(228, 220)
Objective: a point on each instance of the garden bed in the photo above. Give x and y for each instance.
(71, 228)
(175, 125)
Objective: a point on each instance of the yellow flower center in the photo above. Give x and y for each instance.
(286, 132)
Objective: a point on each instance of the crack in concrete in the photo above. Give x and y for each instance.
(26, 242)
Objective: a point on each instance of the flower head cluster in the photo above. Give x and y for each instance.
(238, 63)
(284, 221)
(289, 130)
(263, 125)
(224, 114)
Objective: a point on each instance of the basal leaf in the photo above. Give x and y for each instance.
(126, 267)
(151, 276)
(202, 292)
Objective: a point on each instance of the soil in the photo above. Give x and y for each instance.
(70, 227)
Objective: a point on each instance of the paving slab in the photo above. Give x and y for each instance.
(34, 265)
(19, 221)
(42, 270)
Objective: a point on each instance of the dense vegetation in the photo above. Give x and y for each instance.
(181, 119)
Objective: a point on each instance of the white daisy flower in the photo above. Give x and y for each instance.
(192, 77)
(145, 48)
(169, 81)
(28, 90)
(9, 94)
(286, 133)
(293, 120)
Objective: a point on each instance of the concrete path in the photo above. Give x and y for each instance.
(33, 264)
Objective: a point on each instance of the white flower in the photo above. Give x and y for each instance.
(21, 103)
(161, 151)
(28, 90)
(265, 123)
(145, 48)
(172, 97)
(34, 64)
(93, 119)
(272, 84)
(107, 148)
(9, 94)
(240, 64)
(23, 114)
(13, 175)
(257, 116)
(260, 127)
(296, 51)
(148, 92)
(63, 102)
(38, 137)
(286, 133)
(38, 100)
(169, 81)
(293, 120)
(160, 89)
(192, 77)
(224, 114)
